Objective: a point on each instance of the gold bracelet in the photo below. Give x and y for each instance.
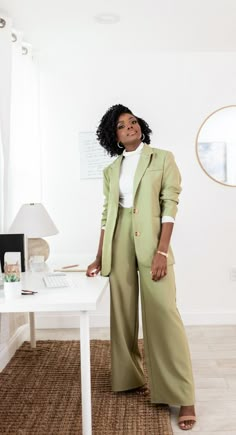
(163, 253)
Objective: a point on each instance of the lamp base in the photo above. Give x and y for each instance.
(38, 247)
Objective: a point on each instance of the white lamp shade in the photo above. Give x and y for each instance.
(34, 221)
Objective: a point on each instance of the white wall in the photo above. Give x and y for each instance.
(173, 92)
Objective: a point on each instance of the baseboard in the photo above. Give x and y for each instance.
(71, 320)
(9, 348)
(211, 318)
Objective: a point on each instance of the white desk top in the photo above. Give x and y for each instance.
(82, 297)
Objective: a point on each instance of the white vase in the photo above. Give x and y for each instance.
(12, 289)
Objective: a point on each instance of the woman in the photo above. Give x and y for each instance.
(141, 189)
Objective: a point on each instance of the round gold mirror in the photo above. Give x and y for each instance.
(216, 145)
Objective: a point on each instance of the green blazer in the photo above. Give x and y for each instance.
(155, 194)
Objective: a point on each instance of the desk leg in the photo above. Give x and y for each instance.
(32, 330)
(85, 373)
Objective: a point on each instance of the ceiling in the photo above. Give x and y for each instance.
(145, 25)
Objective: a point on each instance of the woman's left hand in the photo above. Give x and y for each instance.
(159, 267)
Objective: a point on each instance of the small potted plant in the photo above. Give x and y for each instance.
(12, 284)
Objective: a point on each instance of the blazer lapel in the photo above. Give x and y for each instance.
(142, 166)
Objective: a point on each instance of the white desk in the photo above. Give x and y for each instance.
(83, 297)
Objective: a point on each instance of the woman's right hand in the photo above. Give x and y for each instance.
(94, 268)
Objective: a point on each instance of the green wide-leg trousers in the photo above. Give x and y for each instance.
(165, 343)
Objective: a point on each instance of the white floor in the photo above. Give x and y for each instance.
(213, 350)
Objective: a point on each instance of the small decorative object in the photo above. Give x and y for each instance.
(36, 263)
(12, 270)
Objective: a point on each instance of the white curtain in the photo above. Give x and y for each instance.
(1, 181)
(5, 97)
(24, 165)
(20, 157)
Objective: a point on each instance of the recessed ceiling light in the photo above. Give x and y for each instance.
(2, 23)
(107, 18)
(24, 50)
(13, 37)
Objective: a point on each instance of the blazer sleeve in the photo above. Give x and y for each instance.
(106, 184)
(170, 187)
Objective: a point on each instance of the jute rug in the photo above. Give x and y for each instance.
(40, 394)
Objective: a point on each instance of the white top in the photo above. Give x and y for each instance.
(127, 172)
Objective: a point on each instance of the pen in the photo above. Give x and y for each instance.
(70, 270)
(28, 292)
(68, 267)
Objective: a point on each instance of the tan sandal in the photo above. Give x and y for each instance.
(187, 418)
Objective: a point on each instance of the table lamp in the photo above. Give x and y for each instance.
(34, 221)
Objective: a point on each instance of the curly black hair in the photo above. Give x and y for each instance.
(106, 131)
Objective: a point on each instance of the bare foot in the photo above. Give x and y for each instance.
(187, 411)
